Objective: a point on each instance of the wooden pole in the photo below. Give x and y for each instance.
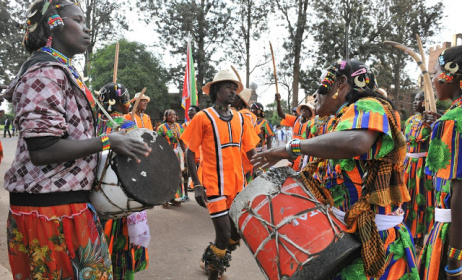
(237, 74)
(274, 68)
(415, 56)
(427, 86)
(116, 63)
(137, 102)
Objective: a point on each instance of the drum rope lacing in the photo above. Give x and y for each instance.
(98, 188)
(338, 233)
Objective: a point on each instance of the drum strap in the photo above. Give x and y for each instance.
(48, 199)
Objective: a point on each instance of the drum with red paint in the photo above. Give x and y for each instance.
(291, 234)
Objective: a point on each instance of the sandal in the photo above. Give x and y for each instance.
(175, 203)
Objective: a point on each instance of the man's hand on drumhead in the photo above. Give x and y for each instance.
(128, 146)
(269, 158)
(201, 197)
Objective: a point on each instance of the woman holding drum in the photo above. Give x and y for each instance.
(364, 173)
(54, 168)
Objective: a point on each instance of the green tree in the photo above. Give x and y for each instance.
(250, 22)
(137, 69)
(350, 29)
(205, 21)
(106, 20)
(12, 53)
(294, 13)
(404, 19)
(271, 111)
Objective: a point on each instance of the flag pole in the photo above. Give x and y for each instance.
(116, 63)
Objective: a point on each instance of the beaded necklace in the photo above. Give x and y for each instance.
(66, 61)
(105, 126)
(223, 108)
(456, 103)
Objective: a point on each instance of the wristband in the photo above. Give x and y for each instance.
(293, 148)
(455, 253)
(198, 185)
(454, 272)
(105, 141)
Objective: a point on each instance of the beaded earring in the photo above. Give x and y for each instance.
(335, 95)
(49, 42)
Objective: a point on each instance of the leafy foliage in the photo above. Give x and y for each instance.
(206, 22)
(356, 30)
(12, 53)
(295, 16)
(137, 69)
(106, 20)
(249, 22)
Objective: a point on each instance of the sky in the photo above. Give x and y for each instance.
(144, 34)
(451, 26)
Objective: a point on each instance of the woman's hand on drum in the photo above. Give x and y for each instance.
(199, 194)
(269, 158)
(128, 146)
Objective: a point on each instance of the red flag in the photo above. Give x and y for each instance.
(189, 85)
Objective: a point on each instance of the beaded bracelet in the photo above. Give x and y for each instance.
(454, 272)
(105, 141)
(293, 152)
(295, 146)
(455, 253)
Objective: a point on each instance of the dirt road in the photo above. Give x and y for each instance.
(178, 239)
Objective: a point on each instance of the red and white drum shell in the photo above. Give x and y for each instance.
(291, 234)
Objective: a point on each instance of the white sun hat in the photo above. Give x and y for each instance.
(221, 76)
(309, 105)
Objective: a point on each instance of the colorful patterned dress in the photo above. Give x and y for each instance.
(343, 178)
(172, 135)
(53, 240)
(127, 258)
(444, 156)
(419, 211)
(297, 129)
(266, 130)
(316, 127)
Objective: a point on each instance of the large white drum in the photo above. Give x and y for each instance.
(123, 186)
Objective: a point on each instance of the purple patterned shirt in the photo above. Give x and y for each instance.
(48, 102)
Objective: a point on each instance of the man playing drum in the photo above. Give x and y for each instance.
(223, 134)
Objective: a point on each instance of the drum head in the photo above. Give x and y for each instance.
(157, 177)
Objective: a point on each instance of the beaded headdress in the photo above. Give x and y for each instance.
(112, 93)
(361, 79)
(449, 69)
(53, 21)
(259, 107)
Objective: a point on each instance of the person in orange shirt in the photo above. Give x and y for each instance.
(298, 123)
(241, 104)
(264, 128)
(142, 120)
(223, 134)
